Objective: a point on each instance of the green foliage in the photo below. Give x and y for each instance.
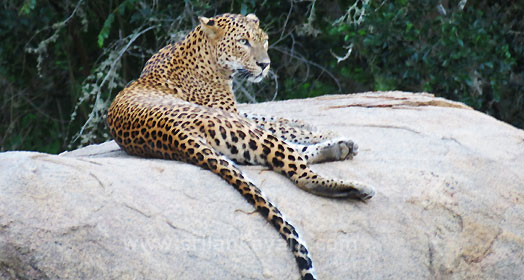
(461, 60)
(27, 7)
(466, 54)
(62, 62)
(104, 32)
(119, 10)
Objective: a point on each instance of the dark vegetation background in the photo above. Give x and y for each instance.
(62, 61)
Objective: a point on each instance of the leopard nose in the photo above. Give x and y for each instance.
(262, 65)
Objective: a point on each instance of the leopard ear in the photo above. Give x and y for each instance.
(209, 27)
(206, 21)
(253, 18)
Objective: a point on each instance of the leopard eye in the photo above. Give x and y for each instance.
(244, 42)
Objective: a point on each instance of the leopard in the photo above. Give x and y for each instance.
(182, 107)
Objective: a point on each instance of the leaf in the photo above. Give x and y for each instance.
(104, 33)
(409, 26)
(28, 6)
(126, 4)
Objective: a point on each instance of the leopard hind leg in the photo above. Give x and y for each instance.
(244, 142)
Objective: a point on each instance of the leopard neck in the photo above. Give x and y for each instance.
(196, 56)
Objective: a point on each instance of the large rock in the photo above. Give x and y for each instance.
(449, 204)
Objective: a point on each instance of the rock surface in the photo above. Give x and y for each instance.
(449, 204)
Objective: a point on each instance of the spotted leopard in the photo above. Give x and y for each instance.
(182, 108)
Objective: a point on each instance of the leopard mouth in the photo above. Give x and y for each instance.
(257, 78)
(246, 74)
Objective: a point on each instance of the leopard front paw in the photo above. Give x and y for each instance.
(347, 149)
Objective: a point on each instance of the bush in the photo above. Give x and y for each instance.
(62, 61)
(468, 54)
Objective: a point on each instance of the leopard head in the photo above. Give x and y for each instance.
(239, 43)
